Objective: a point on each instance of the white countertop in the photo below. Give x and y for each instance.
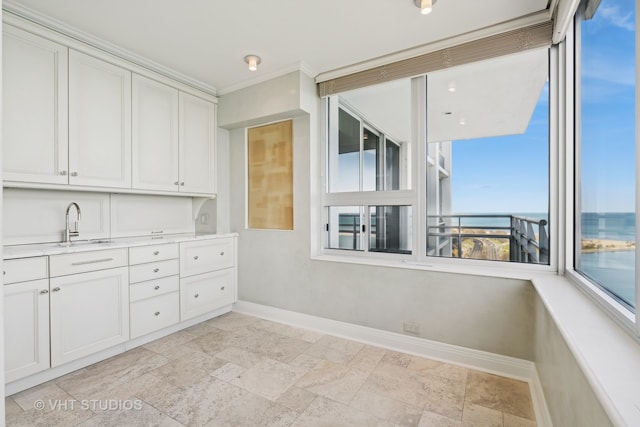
(43, 249)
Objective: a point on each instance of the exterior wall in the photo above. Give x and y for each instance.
(276, 269)
(570, 398)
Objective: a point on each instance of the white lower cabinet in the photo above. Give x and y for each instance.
(89, 313)
(206, 292)
(154, 289)
(26, 328)
(155, 313)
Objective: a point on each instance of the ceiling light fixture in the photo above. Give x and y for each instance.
(451, 87)
(426, 6)
(253, 61)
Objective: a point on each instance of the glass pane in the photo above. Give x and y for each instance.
(488, 160)
(371, 160)
(390, 229)
(345, 227)
(605, 244)
(392, 165)
(346, 167)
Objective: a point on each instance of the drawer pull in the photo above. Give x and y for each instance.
(155, 270)
(222, 288)
(156, 252)
(196, 295)
(157, 313)
(56, 289)
(195, 257)
(4, 273)
(157, 287)
(222, 253)
(44, 291)
(93, 261)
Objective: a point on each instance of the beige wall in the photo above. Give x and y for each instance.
(570, 399)
(275, 268)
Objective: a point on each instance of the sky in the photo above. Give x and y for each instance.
(509, 174)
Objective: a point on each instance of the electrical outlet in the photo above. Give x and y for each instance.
(411, 327)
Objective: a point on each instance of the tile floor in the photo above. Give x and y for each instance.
(238, 370)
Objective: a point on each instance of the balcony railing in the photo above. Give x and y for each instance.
(492, 237)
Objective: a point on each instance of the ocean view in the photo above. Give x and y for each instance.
(615, 270)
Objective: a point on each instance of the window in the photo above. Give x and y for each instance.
(605, 79)
(464, 151)
(368, 202)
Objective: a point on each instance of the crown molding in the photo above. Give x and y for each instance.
(48, 22)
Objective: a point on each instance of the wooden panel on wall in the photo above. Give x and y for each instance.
(270, 162)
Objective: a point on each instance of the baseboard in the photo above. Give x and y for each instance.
(505, 366)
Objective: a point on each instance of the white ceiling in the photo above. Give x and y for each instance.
(207, 39)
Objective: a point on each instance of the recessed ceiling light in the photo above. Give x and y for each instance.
(253, 61)
(451, 87)
(426, 6)
(463, 121)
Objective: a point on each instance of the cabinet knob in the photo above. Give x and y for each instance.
(222, 288)
(222, 253)
(74, 173)
(176, 183)
(156, 252)
(4, 273)
(56, 289)
(63, 173)
(157, 287)
(157, 313)
(196, 295)
(44, 291)
(195, 257)
(182, 183)
(155, 270)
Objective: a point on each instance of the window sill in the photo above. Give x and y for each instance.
(468, 267)
(608, 355)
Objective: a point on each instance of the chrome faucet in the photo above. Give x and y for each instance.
(68, 234)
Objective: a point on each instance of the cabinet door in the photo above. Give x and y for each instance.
(89, 313)
(26, 328)
(155, 135)
(197, 144)
(99, 123)
(34, 124)
(206, 292)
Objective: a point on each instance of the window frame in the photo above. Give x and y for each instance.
(572, 58)
(417, 198)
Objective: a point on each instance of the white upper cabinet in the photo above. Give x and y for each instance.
(197, 144)
(34, 125)
(155, 151)
(99, 123)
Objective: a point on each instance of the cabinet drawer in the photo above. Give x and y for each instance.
(61, 265)
(203, 256)
(206, 292)
(153, 288)
(23, 269)
(143, 254)
(153, 270)
(155, 313)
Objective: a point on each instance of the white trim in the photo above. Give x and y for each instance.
(58, 371)
(505, 366)
(58, 26)
(525, 21)
(302, 66)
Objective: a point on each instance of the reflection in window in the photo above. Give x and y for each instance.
(344, 227)
(390, 229)
(605, 210)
